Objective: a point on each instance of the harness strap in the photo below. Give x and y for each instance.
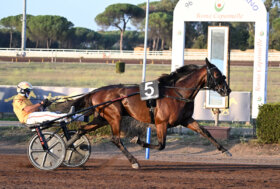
(151, 104)
(152, 115)
(178, 98)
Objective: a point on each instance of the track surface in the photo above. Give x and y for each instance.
(17, 172)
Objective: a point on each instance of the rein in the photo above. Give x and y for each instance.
(90, 108)
(184, 88)
(210, 84)
(67, 97)
(57, 98)
(179, 98)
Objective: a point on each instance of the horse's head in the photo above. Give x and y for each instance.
(216, 80)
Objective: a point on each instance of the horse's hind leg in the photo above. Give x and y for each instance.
(117, 141)
(115, 126)
(193, 125)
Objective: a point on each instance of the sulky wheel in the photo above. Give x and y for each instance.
(47, 159)
(78, 153)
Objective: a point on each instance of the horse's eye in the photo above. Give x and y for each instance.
(217, 74)
(221, 79)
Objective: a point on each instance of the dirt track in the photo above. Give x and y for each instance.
(178, 166)
(16, 172)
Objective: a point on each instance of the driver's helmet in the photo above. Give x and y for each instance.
(24, 88)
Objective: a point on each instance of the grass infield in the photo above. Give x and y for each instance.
(91, 75)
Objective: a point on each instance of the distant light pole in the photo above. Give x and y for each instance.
(23, 32)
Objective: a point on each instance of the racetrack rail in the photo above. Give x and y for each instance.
(114, 60)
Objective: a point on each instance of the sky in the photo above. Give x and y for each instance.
(80, 12)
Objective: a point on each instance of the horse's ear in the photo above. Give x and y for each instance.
(207, 62)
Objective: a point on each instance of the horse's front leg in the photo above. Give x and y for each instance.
(161, 135)
(193, 125)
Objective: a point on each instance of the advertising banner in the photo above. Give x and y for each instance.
(239, 108)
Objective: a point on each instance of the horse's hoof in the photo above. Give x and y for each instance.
(135, 166)
(227, 153)
(134, 140)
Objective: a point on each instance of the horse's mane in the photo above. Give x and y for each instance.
(170, 79)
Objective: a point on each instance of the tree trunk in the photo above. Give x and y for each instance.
(157, 42)
(121, 40)
(11, 39)
(49, 42)
(154, 44)
(162, 44)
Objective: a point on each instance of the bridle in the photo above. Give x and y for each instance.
(212, 82)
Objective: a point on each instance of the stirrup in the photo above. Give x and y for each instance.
(72, 110)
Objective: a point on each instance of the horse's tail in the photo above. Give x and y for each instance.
(82, 102)
(79, 103)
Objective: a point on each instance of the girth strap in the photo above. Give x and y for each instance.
(151, 104)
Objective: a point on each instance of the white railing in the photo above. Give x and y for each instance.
(78, 53)
(191, 54)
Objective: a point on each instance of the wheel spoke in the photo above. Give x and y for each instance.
(53, 155)
(79, 144)
(70, 156)
(37, 150)
(44, 160)
(53, 145)
(37, 141)
(79, 153)
(49, 138)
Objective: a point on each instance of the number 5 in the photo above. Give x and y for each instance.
(149, 86)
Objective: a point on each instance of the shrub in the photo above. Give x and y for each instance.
(103, 131)
(120, 67)
(268, 123)
(129, 128)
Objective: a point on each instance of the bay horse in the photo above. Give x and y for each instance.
(174, 107)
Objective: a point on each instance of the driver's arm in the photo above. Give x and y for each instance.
(33, 108)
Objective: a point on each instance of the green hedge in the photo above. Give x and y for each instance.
(268, 123)
(120, 67)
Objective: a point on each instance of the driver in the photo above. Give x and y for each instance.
(29, 113)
